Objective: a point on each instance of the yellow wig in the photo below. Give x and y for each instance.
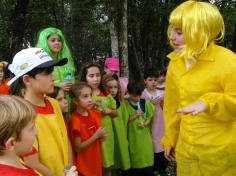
(201, 23)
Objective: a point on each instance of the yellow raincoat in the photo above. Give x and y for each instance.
(205, 144)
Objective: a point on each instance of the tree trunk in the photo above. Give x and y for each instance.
(124, 42)
(114, 40)
(18, 26)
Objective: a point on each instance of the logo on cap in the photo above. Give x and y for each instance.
(24, 66)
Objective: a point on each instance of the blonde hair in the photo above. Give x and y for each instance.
(201, 23)
(15, 114)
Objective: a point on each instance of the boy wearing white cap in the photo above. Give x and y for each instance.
(32, 69)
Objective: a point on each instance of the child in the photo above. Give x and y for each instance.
(86, 130)
(92, 74)
(112, 66)
(121, 158)
(199, 106)
(59, 95)
(32, 69)
(4, 88)
(54, 43)
(156, 96)
(17, 134)
(140, 113)
(161, 79)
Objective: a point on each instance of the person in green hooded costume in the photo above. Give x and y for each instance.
(54, 43)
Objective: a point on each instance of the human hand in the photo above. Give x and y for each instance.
(169, 153)
(100, 133)
(66, 85)
(156, 100)
(139, 112)
(98, 103)
(70, 171)
(107, 111)
(194, 108)
(141, 125)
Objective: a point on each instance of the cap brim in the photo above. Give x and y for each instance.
(51, 63)
(114, 69)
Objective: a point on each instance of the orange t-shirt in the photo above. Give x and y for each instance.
(89, 160)
(4, 88)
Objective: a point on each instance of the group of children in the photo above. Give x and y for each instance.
(107, 130)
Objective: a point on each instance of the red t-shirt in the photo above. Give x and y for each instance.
(89, 160)
(6, 170)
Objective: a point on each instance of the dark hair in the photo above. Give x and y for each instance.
(150, 73)
(135, 87)
(84, 71)
(18, 86)
(162, 72)
(55, 92)
(77, 87)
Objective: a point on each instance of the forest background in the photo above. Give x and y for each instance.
(132, 30)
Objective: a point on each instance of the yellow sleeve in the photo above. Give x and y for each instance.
(222, 104)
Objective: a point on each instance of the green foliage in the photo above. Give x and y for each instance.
(85, 24)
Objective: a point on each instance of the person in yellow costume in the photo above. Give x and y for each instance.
(200, 94)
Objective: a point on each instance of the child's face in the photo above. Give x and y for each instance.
(151, 83)
(177, 38)
(93, 77)
(25, 144)
(134, 98)
(161, 79)
(113, 87)
(1, 74)
(54, 43)
(43, 83)
(62, 101)
(84, 100)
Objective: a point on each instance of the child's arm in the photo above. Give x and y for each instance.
(145, 123)
(33, 162)
(110, 112)
(135, 115)
(99, 134)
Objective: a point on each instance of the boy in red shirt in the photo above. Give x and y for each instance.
(17, 134)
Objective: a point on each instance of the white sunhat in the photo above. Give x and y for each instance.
(30, 58)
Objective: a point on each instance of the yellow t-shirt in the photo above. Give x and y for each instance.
(51, 140)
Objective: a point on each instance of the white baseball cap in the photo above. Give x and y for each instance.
(30, 58)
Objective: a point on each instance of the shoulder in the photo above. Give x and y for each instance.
(218, 54)
(223, 58)
(95, 112)
(52, 101)
(223, 53)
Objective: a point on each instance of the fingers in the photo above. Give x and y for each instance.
(169, 154)
(187, 111)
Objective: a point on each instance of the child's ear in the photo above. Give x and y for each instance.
(75, 101)
(26, 79)
(10, 144)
